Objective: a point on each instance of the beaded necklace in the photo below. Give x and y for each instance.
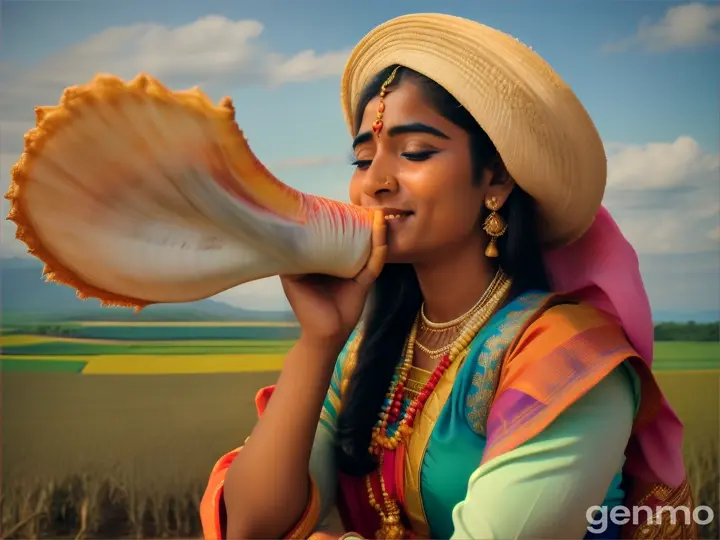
(385, 434)
(388, 433)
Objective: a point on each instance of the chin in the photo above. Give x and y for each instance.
(400, 256)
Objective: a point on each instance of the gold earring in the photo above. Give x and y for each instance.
(494, 226)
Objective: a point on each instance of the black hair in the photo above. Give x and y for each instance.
(396, 296)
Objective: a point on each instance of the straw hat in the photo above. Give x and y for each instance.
(543, 133)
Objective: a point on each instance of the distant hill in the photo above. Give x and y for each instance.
(25, 295)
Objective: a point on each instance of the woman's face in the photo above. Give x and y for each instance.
(420, 168)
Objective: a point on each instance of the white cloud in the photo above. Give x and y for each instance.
(682, 26)
(308, 65)
(665, 196)
(659, 165)
(212, 52)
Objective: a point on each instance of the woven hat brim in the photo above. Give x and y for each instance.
(542, 132)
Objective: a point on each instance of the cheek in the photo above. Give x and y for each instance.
(453, 203)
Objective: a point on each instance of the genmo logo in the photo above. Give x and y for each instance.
(600, 517)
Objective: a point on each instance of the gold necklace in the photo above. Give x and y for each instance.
(433, 353)
(391, 527)
(496, 283)
(434, 326)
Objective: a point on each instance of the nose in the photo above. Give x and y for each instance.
(377, 184)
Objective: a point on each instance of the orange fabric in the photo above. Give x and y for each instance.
(262, 398)
(212, 507)
(558, 358)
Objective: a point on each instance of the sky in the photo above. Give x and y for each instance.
(643, 69)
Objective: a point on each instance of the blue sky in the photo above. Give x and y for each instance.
(645, 70)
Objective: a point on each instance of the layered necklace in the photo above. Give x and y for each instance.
(396, 420)
(446, 332)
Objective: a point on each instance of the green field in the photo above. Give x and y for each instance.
(154, 346)
(148, 332)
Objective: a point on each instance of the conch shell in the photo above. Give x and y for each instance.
(134, 194)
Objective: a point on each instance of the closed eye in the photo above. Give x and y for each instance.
(419, 156)
(363, 164)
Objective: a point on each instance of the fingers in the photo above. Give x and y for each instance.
(378, 252)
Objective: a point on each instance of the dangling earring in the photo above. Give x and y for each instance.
(494, 226)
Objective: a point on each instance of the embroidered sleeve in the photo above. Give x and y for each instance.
(545, 487)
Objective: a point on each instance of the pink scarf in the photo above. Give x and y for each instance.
(602, 268)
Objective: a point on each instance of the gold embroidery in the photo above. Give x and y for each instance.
(340, 381)
(416, 381)
(327, 420)
(485, 381)
(487, 375)
(668, 505)
(349, 366)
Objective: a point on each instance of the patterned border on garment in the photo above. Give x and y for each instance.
(338, 382)
(489, 363)
(664, 524)
(349, 362)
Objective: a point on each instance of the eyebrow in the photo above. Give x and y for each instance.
(415, 127)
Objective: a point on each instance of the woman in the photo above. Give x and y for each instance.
(473, 400)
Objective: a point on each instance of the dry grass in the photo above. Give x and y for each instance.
(128, 456)
(100, 506)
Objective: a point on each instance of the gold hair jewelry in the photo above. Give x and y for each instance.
(378, 123)
(494, 226)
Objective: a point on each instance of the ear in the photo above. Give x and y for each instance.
(499, 183)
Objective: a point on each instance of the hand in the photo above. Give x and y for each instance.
(329, 308)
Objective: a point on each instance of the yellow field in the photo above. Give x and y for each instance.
(150, 364)
(137, 364)
(129, 446)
